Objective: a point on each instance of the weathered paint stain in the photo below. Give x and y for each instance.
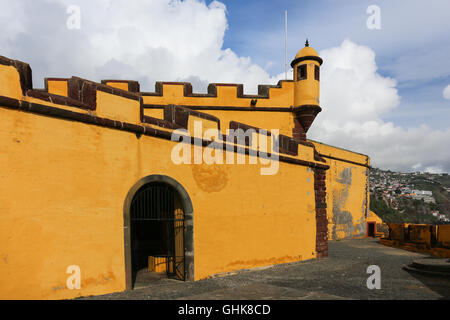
(347, 190)
(342, 224)
(345, 177)
(342, 220)
(364, 206)
(210, 178)
(58, 288)
(346, 223)
(263, 262)
(100, 279)
(359, 228)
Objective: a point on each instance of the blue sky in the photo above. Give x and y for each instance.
(408, 33)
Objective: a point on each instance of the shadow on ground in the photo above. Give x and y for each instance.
(435, 284)
(342, 275)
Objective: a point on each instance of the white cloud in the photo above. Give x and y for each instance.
(354, 97)
(175, 40)
(446, 92)
(352, 87)
(433, 169)
(148, 41)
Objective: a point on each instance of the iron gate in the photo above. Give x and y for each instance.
(159, 203)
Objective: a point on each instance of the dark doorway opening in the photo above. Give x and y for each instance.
(157, 232)
(371, 229)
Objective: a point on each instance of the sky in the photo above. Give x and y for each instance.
(385, 91)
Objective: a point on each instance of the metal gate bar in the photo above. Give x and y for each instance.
(157, 202)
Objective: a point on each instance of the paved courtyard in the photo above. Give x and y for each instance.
(342, 275)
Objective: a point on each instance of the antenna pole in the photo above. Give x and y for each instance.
(285, 44)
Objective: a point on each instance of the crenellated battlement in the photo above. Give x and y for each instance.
(212, 91)
(23, 71)
(119, 104)
(217, 93)
(228, 95)
(224, 166)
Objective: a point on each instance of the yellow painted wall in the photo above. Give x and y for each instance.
(347, 192)
(283, 121)
(420, 233)
(443, 237)
(420, 237)
(62, 204)
(372, 217)
(307, 90)
(157, 264)
(62, 197)
(226, 96)
(155, 113)
(119, 85)
(65, 183)
(347, 183)
(397, 231)
(118, 108)
(9, 80)
(57, 86)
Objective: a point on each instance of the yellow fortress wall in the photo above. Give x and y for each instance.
(70, 169)
(74, 216)
(274, 107)
(425, 238)
(75, 154)
(347, 191)
(348, 176)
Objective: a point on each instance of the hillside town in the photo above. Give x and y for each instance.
(396, 189)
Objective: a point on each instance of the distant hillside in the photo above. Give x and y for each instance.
(440, 194)
(404, 197)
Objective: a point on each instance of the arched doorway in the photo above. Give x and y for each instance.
(158, 227)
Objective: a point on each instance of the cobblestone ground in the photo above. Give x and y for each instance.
(342, 275)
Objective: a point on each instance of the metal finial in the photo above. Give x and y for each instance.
(306, 43)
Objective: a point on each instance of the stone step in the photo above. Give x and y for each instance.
(430, 266)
